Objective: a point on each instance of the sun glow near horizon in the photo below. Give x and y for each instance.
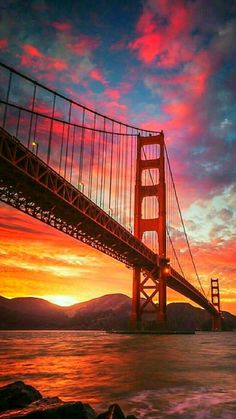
(61, 300)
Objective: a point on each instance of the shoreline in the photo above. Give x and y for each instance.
(20, 400)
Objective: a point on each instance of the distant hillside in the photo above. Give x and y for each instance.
(110, 311)
(106, 302)
(183, 316)
(30, 313)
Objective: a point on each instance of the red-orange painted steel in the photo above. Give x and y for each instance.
(215, 299)
(149, 287)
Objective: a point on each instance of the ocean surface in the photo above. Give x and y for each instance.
(151, 376)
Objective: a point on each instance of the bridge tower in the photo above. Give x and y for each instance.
(149, 288)
(215, 299)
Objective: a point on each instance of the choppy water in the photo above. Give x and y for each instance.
(174, 376)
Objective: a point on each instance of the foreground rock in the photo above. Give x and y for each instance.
(114, 411)
(18, 400)
(16, 395)
(53, 408)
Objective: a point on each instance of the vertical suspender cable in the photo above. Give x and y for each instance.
(35, 126)
(92, 157)
(182, 221)
(18, 122)
(7, 99)
(51, 129)
(81, 154)
(98, 167)
(105, 166)
(126, 213)
(72, 153)
(61, 150)
(103, 158)
(121, 182)
(118, 176)
(131, 180)
(31, 116)
(111, 167)
(67, 140)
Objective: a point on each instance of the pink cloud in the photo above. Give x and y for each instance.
(187, 86)
(125, 87)
(96, 74)
(115, 110)
(168, 43)
(61, 26)
(32, 51)
(178, 110)
(3, 43)
(58, 64)
(32, 56)
(113, 93)
(116, 93)
(84, 45)
(148, 46)
(146, 22)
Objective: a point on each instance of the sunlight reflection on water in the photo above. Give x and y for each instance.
(190, 376)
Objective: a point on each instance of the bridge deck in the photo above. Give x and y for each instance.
(31, 186)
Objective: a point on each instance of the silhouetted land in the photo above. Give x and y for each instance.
(19, 400)
(111, 311)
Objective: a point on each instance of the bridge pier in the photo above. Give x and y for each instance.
(216, 323)
(149, 287)
(161, 312)
(135, 315)
(147, 311)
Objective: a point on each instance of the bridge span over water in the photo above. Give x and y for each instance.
(101, 181)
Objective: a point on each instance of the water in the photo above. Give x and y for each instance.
(174, 376)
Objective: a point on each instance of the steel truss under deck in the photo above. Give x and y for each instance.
(31, 186)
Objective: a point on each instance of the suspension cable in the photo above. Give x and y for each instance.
(182, 221)
(73, 102)
(176, 256)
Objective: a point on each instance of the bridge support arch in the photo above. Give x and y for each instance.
(149, 287)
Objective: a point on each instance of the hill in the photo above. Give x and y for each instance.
(30, 313)
(110, 311)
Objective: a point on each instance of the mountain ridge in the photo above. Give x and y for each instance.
(110, 311)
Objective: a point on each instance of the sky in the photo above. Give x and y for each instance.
(157, 64)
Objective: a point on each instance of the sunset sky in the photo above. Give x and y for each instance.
(157, 64)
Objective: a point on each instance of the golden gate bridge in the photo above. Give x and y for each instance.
(103, 182)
